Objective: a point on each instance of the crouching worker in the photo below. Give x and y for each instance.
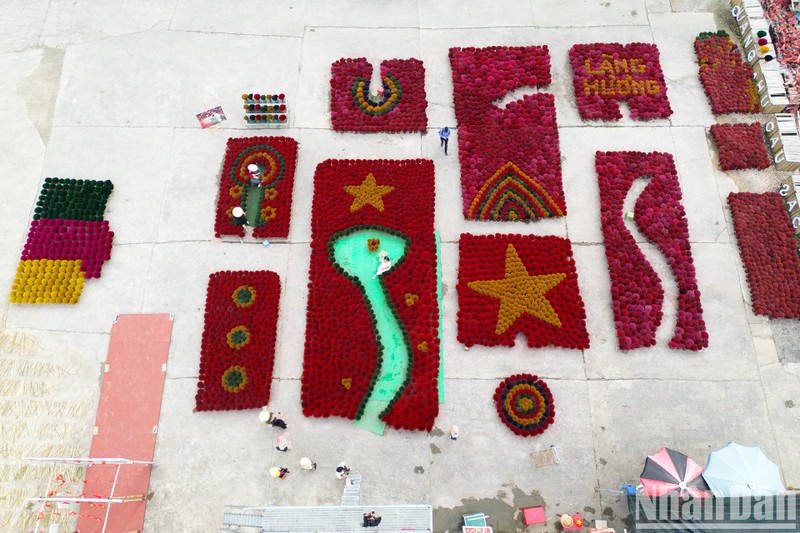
(371, 519)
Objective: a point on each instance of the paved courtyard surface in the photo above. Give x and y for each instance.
(109, 90)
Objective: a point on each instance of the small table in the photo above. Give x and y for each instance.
(476, 523)
(533, 515)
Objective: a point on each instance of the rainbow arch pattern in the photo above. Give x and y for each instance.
(391, 96)
(510, 194)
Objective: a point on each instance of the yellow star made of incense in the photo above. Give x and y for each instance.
(369, 192)
(520, 293)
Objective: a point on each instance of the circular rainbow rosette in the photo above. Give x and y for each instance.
(269, 160)
(525, 404)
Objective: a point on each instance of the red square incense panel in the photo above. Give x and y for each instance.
(398, 104)
(511, 284)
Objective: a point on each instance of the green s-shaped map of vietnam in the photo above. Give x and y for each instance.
(351, 253)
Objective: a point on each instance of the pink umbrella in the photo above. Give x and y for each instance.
(668, 471)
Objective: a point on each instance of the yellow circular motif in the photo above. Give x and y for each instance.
(244, 296)
(235, 379)
(238, 337)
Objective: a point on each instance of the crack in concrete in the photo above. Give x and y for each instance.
(202, 32)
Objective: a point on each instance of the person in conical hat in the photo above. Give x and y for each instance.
(307, 464)
(278, 472)
(267, 417)
(255, 173)
(342, 470)
(238, 216)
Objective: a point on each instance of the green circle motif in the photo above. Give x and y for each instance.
(238, 337)
(234, 379)
(244, 296)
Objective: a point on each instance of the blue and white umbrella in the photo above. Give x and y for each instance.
(737, 471)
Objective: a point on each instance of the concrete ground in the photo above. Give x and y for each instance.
(109, 90)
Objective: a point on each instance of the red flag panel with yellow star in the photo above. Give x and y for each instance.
(373, 268)
(511, 284)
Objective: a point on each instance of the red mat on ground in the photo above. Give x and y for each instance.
(127, 418)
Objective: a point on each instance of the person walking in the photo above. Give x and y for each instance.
(342, 471)
(282, 443)
(268, 418)
(454, 433)
(307, 464)
(278, 472)
(240, 219)
(444, 137)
